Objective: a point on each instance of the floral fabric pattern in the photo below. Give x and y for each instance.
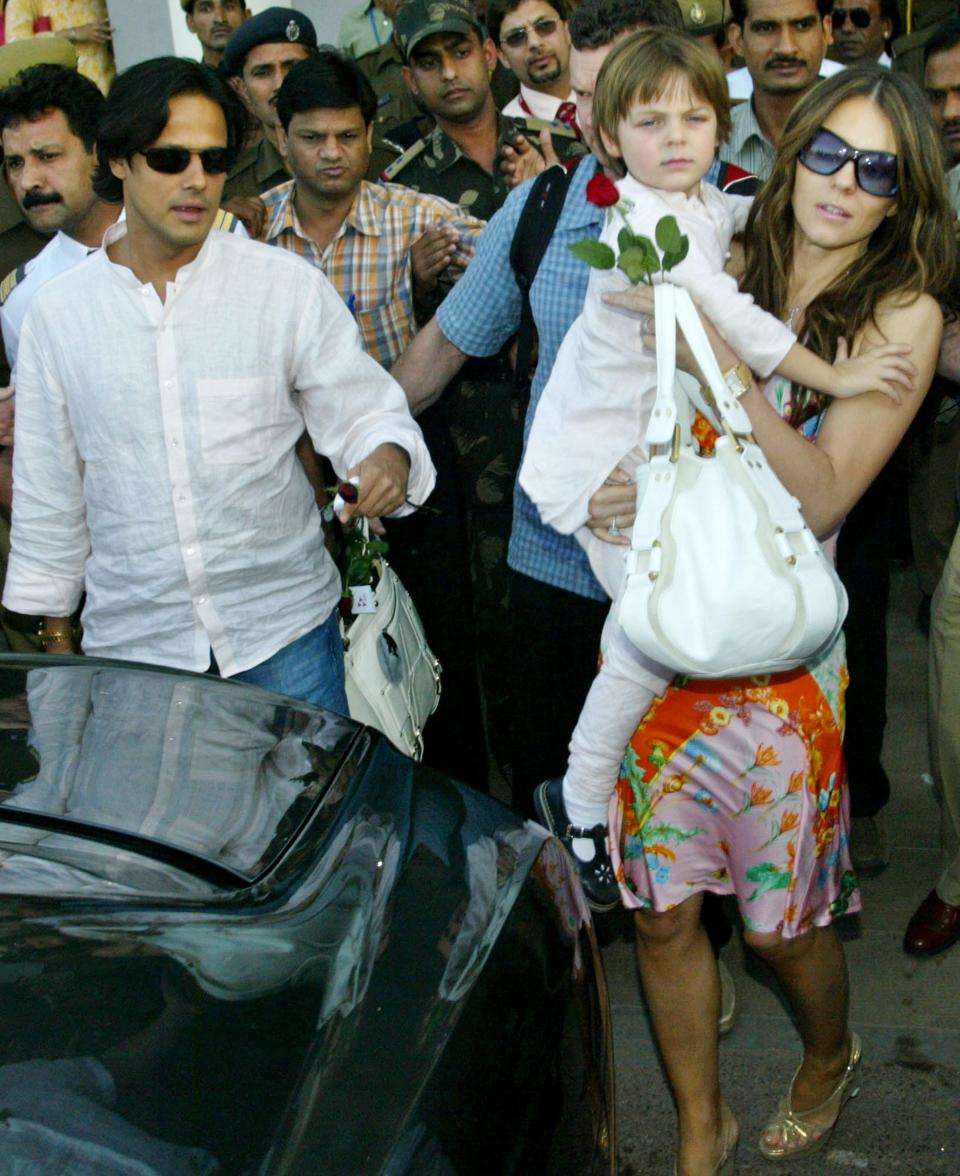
(739, 787)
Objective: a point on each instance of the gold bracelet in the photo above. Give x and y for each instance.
(48, 636)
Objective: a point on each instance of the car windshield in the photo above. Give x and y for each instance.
(206, 775)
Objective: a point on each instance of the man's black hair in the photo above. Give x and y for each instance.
(947, 36)
(738, 10)
(596, 23)
(43, 88)
(502, 8)
(326, 80)
(138, 108)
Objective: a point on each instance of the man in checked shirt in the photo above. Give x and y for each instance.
(163, 385)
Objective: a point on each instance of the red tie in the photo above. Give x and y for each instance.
(567, 114)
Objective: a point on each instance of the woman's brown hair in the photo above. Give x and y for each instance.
(910, 253)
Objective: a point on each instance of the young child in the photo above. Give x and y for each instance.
(661, 108)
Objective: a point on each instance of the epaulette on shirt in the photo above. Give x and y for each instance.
(407, 157)
(11, 282)
(223, 222)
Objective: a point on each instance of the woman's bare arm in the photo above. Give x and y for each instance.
(858, 435)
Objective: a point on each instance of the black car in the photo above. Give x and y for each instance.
(243, 935)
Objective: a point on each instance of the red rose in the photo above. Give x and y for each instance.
(348, 492)
(602, 191)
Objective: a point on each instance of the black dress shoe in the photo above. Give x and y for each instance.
(596, 875)
(935, 926)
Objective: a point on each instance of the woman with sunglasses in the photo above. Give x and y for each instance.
(850, 242)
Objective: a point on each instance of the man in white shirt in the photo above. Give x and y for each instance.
(533, 42)
(863, 31)
(163, 385)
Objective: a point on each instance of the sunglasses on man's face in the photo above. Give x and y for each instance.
(859, 17)
(171, 161)
(876, 171)
(542, 27)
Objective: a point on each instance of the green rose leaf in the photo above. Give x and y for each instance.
(594, 253)
(639, 261)
(671, 258)
(668, 234)
(626, 239)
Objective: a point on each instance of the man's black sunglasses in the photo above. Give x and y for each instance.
(876, 171)
(542, 27)
(171, 161)
(859, 17)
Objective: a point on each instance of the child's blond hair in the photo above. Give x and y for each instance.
(646, 65)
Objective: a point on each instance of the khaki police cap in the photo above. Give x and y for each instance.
(701, 16)
(21, 55)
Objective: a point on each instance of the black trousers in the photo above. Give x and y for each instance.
(863, 564)
(428, 551)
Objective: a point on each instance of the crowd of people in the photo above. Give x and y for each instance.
(181, 396)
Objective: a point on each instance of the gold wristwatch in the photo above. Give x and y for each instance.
(738, 379)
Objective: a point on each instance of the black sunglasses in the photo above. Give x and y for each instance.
(859, 17)
(876, 171)
(171, 161)
(542, 27)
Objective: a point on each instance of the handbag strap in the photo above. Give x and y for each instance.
(675, 391)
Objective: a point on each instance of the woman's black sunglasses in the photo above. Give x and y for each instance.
(542, 27)
(876, 171)
(171, 161)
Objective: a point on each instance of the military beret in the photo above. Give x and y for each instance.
(702, 16)
(418, 19)
(271, 27)
(17, 56)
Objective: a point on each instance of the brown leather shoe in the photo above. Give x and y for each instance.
(935, 926)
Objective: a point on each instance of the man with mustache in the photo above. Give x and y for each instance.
(49, 121)
(783, 43)
(214, 22)
(863, 30)
(532, 40)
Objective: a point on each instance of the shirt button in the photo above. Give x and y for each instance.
(191, 550)
(174, 442)
(201, 600)
(168, 383)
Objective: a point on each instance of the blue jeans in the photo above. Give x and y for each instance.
(310, 668)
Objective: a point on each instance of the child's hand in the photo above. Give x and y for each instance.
(883, 369)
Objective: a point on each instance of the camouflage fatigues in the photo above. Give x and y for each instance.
(435, 164)
(258, 169)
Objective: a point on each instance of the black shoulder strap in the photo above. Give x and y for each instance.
(541, 212)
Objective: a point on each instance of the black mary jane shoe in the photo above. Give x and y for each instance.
(596, 876)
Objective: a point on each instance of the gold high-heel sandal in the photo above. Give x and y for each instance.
(799, 1132)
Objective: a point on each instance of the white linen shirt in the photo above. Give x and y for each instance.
(154, 459)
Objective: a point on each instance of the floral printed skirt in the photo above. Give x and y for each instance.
(738, 786)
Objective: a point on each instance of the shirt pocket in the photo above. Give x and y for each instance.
(235, 417)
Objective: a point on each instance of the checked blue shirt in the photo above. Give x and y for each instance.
(483, 311)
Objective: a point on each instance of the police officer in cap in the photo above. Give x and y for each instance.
(448, 61)
(257, 58)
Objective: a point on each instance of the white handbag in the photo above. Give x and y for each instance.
(724, 577)
(392, 677)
